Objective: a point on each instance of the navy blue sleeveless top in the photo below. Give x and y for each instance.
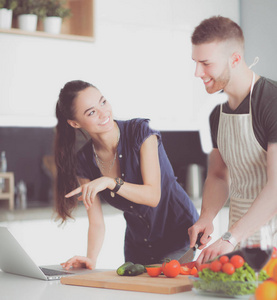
(151, 232)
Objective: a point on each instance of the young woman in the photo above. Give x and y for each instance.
(125, 164)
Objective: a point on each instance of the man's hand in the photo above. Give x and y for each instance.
(201, 226)
(217, 248)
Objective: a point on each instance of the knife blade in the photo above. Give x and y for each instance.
(189, 255)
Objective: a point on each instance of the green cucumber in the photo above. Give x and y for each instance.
(135, 270)
(122, 269)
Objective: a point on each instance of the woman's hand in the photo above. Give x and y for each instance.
(79, 262)
(90, 189)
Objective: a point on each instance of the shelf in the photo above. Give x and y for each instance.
(47, 35)
(8, 193)
(78, 27)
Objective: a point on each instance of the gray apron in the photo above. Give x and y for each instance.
(246, 161)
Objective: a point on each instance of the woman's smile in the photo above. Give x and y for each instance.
(105, 122)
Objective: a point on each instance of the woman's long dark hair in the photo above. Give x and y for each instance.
(65, 153)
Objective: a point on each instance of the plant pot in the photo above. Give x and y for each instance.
(52, 25)
(28, 22)
(5, 18)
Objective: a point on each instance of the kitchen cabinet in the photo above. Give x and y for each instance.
(47, 242)
(57, 243)
(80, 26)
(8, 192)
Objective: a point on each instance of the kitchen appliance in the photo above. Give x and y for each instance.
(194, 181)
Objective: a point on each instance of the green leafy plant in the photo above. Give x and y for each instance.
(55, 8)
(8, 4)
(29, 7)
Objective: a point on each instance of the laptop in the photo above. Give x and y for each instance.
(14, 259)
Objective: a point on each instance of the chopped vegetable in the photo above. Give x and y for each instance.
(154, 271)
(184, 270)
(193, 271)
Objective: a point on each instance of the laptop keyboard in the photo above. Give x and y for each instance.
(49, 272)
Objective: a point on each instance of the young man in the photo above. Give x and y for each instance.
(243, 162)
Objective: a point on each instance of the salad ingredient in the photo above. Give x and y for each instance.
(184, 270)
(216, 266)
(134, 270)
(228, 268)
(130, 269)
(193, 271)
(241, 282)
(122, 269)
(224, 259)
(237, 261)
(204, 266)
(266, 291)
(154, 271)
(189, 264)
(171, 268)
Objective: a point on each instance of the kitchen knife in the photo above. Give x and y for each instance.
(189, 255)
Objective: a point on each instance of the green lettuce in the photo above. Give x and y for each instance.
(241, 282)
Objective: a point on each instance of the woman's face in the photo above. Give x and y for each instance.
(93, 112)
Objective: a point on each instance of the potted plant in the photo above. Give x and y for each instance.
(53, 13)
(28, 12)
(6, 13)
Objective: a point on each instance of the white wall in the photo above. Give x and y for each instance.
(259, 24)
(140, 60)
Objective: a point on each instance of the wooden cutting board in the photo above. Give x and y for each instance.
(140, 283)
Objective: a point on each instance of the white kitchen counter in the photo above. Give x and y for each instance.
(14, 287)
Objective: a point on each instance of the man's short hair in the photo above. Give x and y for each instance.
(217, 28)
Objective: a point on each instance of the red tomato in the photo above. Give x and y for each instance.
(224, 259)
(193, 271)
(189, 265)
(237, 261)
(184, 270)
(216, 266)
(172, 268)
(228, 268)
(204, 266)
(154, 271)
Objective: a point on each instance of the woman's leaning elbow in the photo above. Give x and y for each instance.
(156, 200)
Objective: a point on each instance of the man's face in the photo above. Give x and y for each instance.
(212, 65)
